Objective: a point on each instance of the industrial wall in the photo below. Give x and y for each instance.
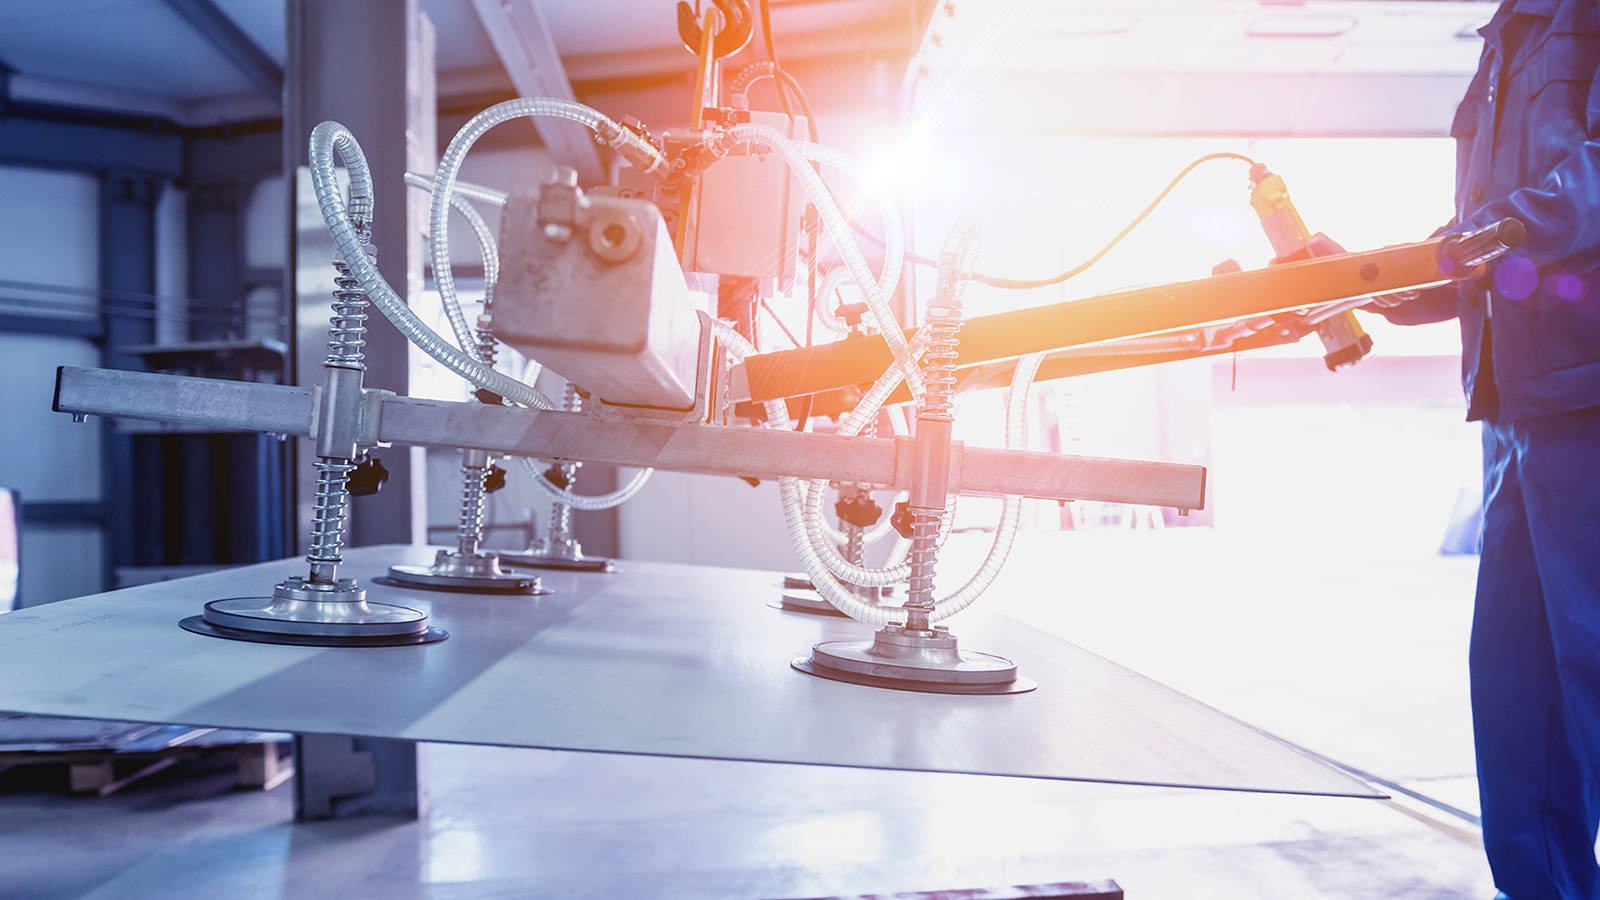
(49, 317)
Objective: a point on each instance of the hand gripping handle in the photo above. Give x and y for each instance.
(1466, 251)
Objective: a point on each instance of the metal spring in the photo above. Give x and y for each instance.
(561, 513)
(938, 402)
(347, 332)
(855, 553)
(939, 364)
(328, 513)
(469, 529)
(923, 556)
(486, 347)
(560, 521)
(854, 546)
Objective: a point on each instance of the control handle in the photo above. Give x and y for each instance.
(1466, 251)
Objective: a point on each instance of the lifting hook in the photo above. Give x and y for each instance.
(733, 36)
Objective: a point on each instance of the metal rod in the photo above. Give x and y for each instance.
(1109, 317)
(553, 435)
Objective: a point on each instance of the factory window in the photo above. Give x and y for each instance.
(1057, 200)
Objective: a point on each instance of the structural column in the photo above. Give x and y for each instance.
(369, 65)
(127, 263)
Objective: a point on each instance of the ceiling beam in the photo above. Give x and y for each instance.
(526, 48)
(231, 41)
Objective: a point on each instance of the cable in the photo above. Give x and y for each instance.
(772, 54)
(1024, 284)
(781, 327)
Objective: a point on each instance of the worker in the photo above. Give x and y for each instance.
(1528, 146)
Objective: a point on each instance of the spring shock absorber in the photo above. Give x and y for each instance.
(468, 566)
(347, 341)
(322, 609)
(857, 497)
(474, 493)
(935, 424)
(476, 466)
(561, 513)
(919, 655)
(559, 548)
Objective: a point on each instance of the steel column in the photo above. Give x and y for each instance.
(216, 258)
(369, 65)
(339, 777)
(127, 263)
(362, 63)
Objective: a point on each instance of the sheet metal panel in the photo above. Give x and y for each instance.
(655, 659)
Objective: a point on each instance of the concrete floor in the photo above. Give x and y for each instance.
(1365, 665)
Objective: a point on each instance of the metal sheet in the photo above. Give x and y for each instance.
(654, 659)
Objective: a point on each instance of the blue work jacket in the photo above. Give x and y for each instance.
(1528, 145)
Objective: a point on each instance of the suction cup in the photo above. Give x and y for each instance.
(557, 553)
(800, 595)
(924, 661)
(804, 600)
(531, 559)
(311, 614)
(453, 571)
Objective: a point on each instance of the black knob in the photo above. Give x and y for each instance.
(555, 476)
(367, 478)
(901, 520)
(858, 510)
(495, 480)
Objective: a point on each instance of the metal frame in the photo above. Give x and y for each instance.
(1110, 317)
(547, 434)
(88, 143)
(522, 39)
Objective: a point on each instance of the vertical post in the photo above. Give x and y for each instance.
(342, 777)
(216, 258)
(127, 263)
(369, 65)
(361, 62)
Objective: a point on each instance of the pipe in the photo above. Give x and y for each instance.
(486, 246)
(329, 139)
(631, 147)
(839, 233)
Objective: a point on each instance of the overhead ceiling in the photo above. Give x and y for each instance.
(148, 56)
(145, 56)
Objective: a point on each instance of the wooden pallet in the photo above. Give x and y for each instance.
(104, 770)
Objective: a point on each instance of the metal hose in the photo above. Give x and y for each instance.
(331, 139)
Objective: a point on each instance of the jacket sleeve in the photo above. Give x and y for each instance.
(1562, 211)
